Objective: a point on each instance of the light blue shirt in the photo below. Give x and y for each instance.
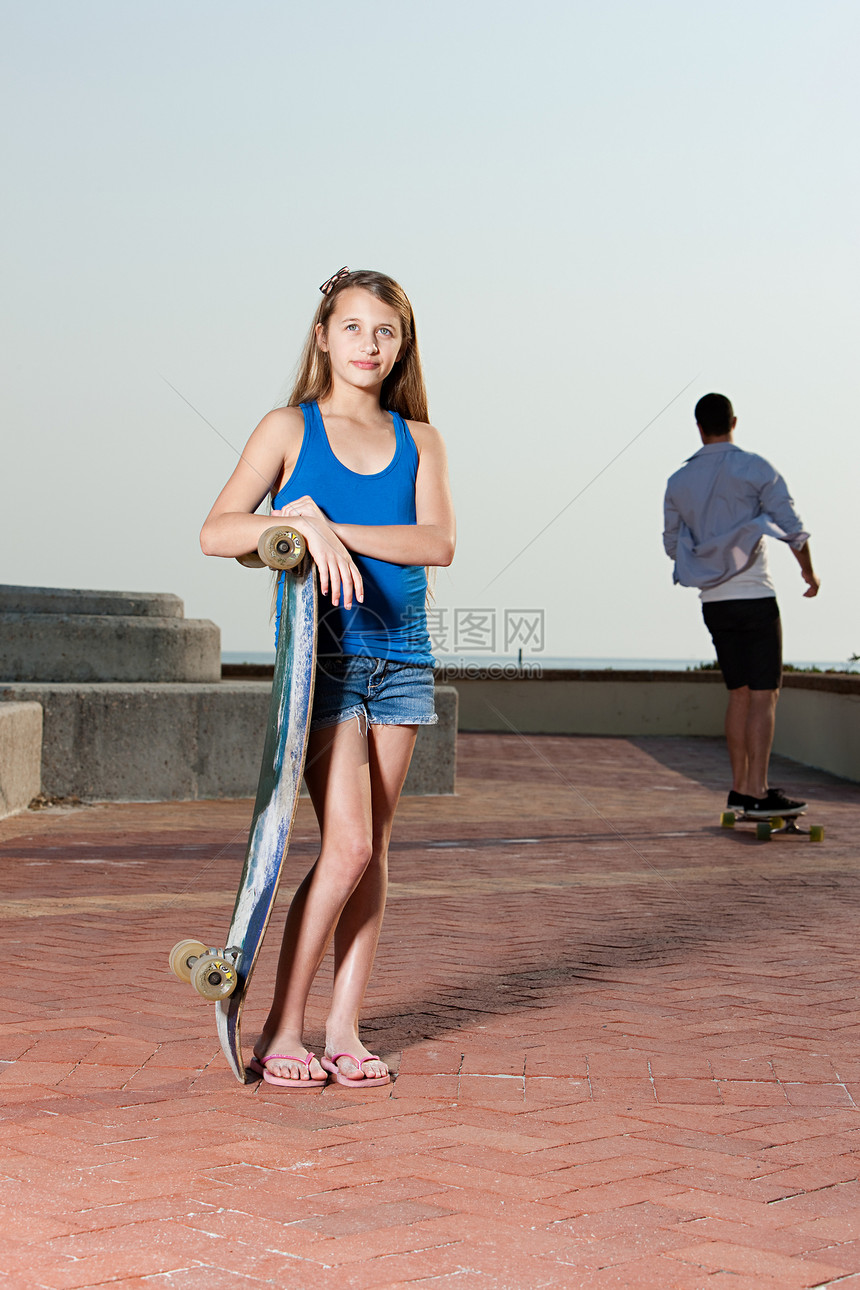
(717, 509)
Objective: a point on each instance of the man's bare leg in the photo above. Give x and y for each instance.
(737, 715)
(761, 721)
(750, 721)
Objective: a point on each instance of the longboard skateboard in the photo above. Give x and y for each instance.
(765, 829)
(222, 974)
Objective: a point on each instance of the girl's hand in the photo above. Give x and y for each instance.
(303, 506)
(337, 569)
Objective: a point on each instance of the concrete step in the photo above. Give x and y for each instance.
(69, 600)
(108, 647)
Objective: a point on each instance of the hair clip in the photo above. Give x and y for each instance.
(331, 283)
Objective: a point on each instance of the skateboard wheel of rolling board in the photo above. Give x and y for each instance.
(765, 829)
(278, 548)
(183, 956)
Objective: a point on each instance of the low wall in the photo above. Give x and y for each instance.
(820, 726)
(133, 706)
(593, 703)
(152, 742)
(175, 742)
(818, 718)
(20, 755)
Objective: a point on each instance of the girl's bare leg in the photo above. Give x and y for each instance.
(357, 934)
(339, 780)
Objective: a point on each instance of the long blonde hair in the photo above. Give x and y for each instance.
(403, 390)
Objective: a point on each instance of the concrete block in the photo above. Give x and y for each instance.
(433, 768)
(168, 742)
(108, 647)
(20, 755)
(230, 723)
(116, 742)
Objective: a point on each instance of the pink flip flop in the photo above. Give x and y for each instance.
(258, 1066)
(330, 1064)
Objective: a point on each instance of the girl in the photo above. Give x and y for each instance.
(354, 466)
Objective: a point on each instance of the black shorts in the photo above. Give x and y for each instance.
(747, 636)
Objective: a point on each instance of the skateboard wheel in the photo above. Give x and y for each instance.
(763, 831)
(251, 560)
(816, 833)
(213, 977)
(777, 822)
(281, 548)
(183, 956)
(727, 820)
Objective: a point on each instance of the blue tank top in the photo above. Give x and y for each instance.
(391, 623)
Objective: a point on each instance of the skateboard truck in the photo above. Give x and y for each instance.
(212, 971)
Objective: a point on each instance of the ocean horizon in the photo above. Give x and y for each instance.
(553, 663)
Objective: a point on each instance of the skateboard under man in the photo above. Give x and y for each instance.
(786, 822)
(222, 974)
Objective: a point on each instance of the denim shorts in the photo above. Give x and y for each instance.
(375, 690)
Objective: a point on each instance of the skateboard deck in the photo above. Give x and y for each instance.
(223, 974)
(765, 829)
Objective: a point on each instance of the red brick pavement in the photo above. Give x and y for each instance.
(627, 1045)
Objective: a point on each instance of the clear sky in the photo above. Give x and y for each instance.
(592, 207)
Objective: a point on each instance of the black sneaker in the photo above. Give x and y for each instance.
(775, 802)
(739, 802)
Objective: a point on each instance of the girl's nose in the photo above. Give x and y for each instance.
(370, 346)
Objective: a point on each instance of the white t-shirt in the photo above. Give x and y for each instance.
(752, 583)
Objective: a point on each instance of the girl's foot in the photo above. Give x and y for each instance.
(352, 1063)
(287, 1066)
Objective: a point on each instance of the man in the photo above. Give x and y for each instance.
(718, 509)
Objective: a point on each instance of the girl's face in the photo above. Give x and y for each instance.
(363, 338)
